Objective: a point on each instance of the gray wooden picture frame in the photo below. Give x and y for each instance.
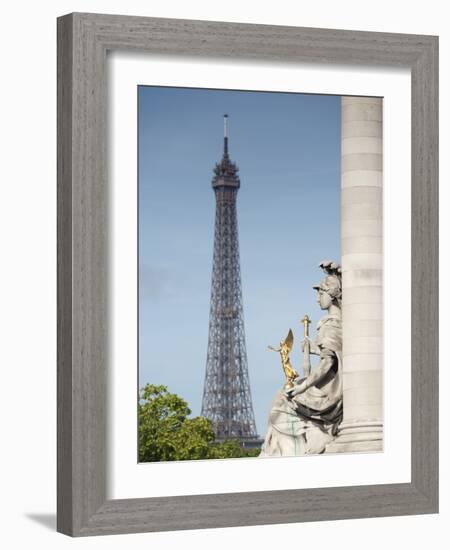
(83, 41)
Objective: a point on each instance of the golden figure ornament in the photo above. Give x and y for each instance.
(284, 351)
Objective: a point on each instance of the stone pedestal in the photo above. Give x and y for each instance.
(362, 276)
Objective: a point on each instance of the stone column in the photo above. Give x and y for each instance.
(362, 275)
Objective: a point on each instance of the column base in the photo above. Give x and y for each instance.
(358, 437)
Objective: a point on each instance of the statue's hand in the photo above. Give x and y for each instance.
(288, 393)
(310, 347)
(296, 390)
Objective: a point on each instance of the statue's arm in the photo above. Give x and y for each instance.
(327, 359)
(313, 347)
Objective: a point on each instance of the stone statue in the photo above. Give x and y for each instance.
(304, 418)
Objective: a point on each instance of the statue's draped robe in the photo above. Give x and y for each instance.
(306, 423)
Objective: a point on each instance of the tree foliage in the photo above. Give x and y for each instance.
(231, 449)
(167, 433)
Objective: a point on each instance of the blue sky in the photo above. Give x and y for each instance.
(287, 147)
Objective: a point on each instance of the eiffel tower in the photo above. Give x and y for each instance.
(227, 400)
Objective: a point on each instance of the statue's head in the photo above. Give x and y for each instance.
(329, 290)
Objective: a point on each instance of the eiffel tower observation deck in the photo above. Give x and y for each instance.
(227, 400)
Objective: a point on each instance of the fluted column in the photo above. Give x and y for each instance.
(362, 275)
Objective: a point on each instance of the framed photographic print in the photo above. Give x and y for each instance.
(247, 274)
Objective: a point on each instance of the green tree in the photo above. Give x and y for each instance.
(167, 433)
(231, 449)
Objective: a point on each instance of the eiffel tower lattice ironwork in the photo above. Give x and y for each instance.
(227, 400)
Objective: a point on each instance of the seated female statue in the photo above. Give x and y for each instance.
(305, 418)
